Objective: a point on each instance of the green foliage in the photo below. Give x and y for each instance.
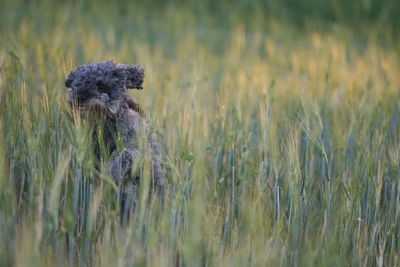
(280, 146)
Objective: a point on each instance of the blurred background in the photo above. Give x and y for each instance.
(161, 22)
(253, 14)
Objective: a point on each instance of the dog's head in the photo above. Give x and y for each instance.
(102, 85)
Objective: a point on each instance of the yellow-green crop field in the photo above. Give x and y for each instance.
(280, 142)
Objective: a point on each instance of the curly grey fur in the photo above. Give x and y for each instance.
(100, 89)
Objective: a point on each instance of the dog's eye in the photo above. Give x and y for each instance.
(82, 98)
(101, 86)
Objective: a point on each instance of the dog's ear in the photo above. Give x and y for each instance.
(134, 75)
(68, 82)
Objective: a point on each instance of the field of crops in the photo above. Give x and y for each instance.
(280, 140)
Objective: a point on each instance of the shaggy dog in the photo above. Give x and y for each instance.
(99, 93)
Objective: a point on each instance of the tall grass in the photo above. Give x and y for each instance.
(279, 147)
